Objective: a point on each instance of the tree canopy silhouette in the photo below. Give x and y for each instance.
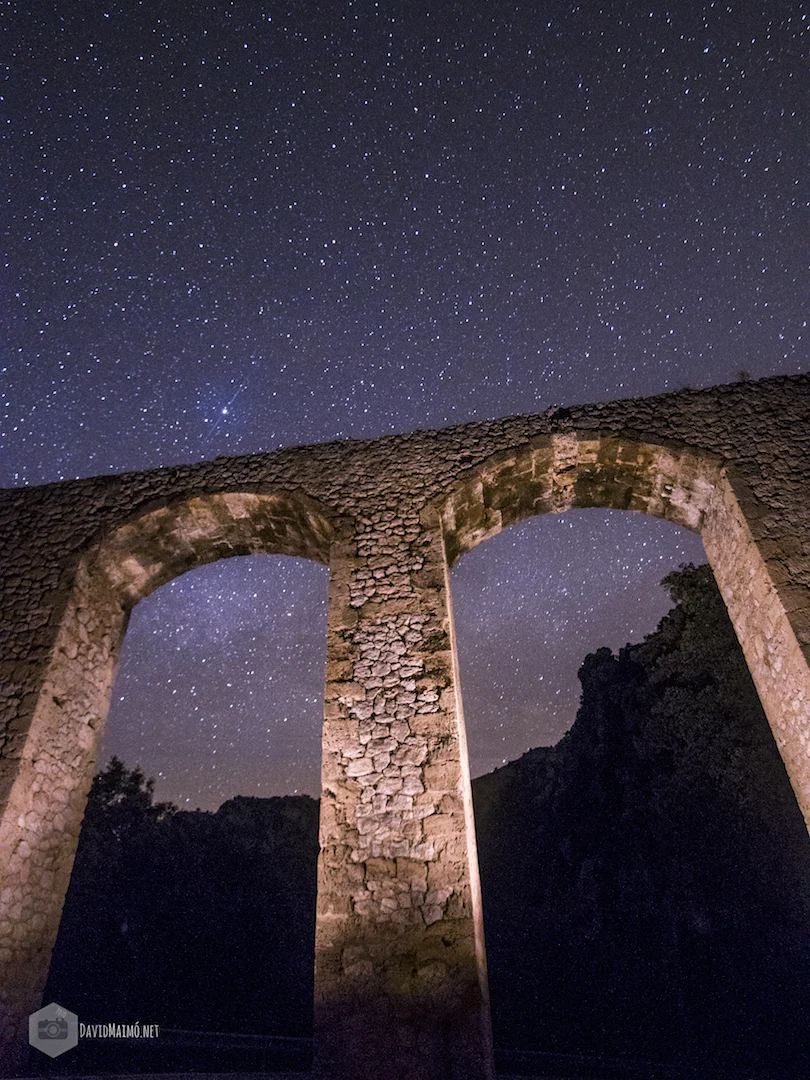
(645, 880)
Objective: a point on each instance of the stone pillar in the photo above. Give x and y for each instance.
(761, 562)
(400, 971)
(39, 826)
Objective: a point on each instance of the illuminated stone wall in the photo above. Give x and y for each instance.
(400, 969)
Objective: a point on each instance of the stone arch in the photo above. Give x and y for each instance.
(691, 488)
(161, 541)
(555, 473)
(40, 826)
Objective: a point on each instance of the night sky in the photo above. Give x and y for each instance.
(232, 227)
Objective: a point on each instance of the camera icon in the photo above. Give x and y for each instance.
(53, 1030)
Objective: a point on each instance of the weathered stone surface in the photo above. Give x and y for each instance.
(400, 969)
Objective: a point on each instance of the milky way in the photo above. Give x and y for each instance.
(239, 226)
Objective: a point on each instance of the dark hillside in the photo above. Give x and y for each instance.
(647, 880)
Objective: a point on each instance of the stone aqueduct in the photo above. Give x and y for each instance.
(400, 970)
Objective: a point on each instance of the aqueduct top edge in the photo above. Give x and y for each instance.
(755, 425)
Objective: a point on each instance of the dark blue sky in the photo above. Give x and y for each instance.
(238, 226)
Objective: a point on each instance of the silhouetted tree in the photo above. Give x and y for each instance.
(191, 920)
(97, 958)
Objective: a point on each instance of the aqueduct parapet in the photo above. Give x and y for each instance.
(400, 966)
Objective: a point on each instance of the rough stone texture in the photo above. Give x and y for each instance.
(400, 969)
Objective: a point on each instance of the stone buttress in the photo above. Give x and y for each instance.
(400, 970)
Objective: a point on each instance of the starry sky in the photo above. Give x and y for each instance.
(235, 226)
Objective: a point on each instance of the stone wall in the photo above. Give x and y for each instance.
(400, 967)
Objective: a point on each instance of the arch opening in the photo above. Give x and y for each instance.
(229, 656)
(49, 793)
(678, 485)
(205, 918)
(533, 601)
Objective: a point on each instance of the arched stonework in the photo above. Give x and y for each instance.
(682, 485)
(554, 473)
(40, 826)
(400, 973)
(167, 540)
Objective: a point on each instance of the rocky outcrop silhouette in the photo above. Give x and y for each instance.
(646, 880)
